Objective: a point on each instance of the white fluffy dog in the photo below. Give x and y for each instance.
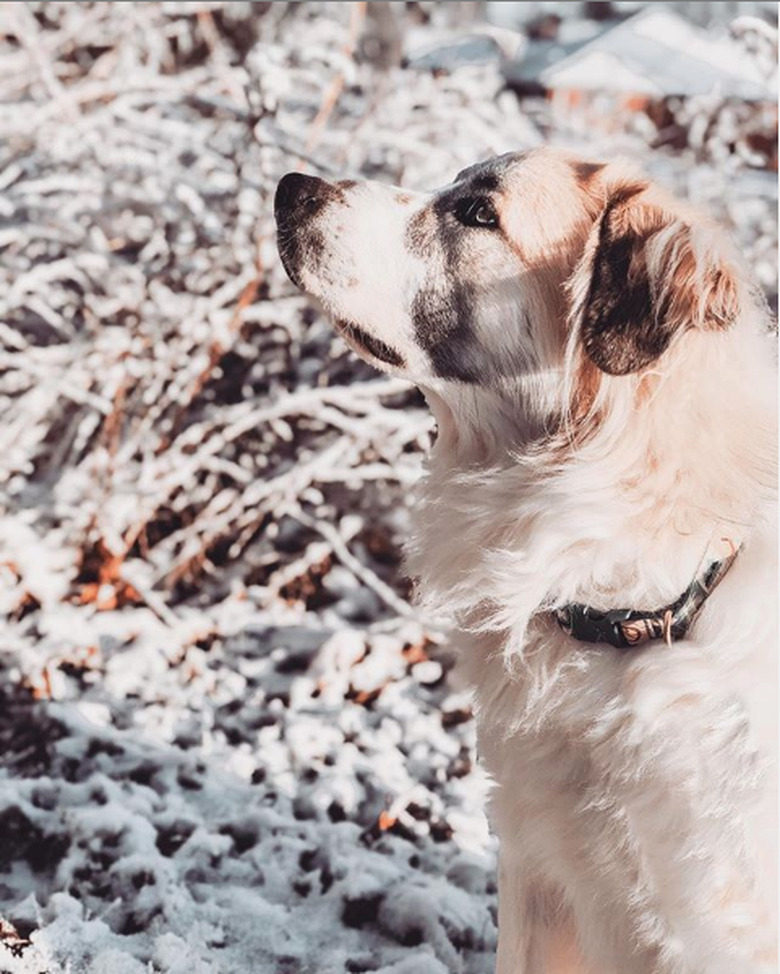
(598, 518)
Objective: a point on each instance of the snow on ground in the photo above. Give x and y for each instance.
(219, 814)
(227, 741)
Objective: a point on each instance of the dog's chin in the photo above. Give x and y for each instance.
(372, 350)
(290, 256)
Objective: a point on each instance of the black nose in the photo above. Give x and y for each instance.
(298, 195)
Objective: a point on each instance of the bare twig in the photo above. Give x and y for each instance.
(331, 96)
(362, 572)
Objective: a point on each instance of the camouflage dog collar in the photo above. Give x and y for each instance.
(626, 628)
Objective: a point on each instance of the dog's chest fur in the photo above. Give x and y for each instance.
(601, 756)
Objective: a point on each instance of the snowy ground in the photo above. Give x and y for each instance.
(227, 742)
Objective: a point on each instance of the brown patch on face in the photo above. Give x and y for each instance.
(586, 172)
(420, 232)
(521, 252)
(546, 211)
(403, 198)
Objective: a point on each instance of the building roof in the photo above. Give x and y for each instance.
(656, 52)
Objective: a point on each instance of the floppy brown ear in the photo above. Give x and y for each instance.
(652, 275)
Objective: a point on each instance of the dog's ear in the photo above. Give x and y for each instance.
(651, 275)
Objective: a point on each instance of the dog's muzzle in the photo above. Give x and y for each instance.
(298, 199)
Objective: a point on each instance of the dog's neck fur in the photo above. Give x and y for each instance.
(622, 517)
(486, 427)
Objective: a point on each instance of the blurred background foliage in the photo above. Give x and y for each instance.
(211, 676)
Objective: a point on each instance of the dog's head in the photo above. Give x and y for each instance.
(496, 275)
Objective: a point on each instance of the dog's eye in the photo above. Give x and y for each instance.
(477, 212)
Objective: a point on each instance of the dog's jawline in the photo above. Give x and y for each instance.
(376, 348)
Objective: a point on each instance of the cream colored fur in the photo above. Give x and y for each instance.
(635, 793)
